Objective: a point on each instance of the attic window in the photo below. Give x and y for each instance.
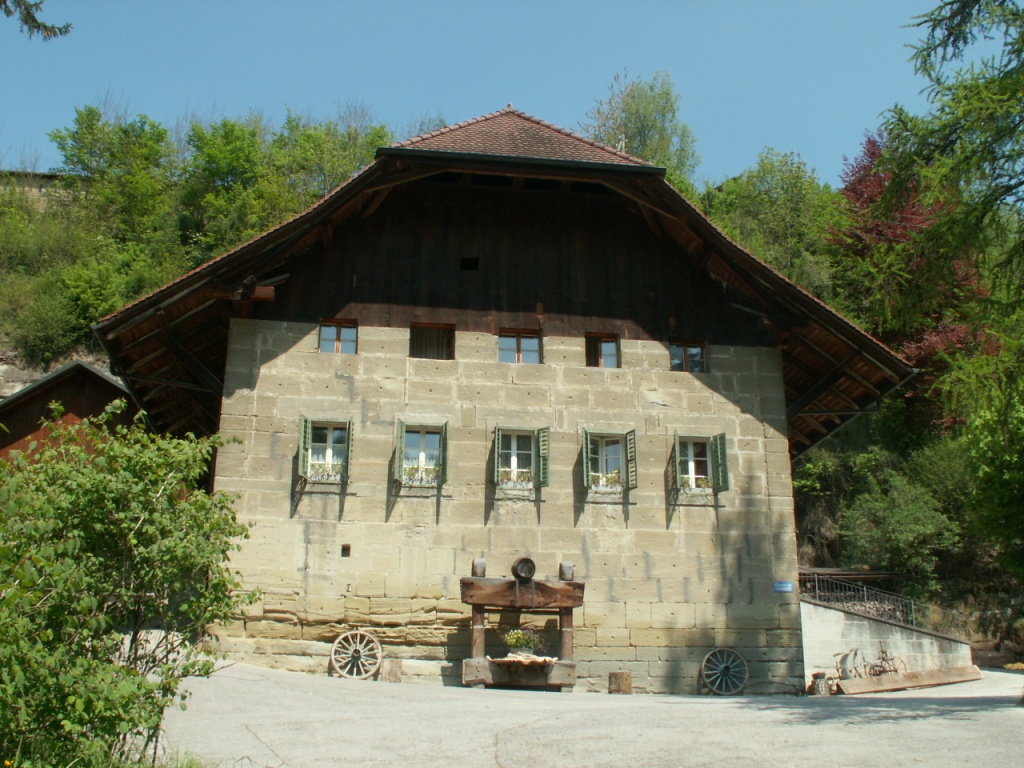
(432, 342)
(687, 356)
(338, 337)
(602, 350)
(519, 347)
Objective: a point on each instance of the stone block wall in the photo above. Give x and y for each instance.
(667, 579)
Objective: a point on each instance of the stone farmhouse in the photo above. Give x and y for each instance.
(502, 339)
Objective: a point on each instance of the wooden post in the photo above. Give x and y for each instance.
(476, 637)
(565, 634)
(620, 682)
(390, 671)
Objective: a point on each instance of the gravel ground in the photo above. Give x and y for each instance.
(250, 717)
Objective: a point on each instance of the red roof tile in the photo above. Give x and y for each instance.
(516, 134)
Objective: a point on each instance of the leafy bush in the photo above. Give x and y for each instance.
(112, 565)
(897, 525)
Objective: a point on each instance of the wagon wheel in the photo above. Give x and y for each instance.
(724, 672)
(356, 654)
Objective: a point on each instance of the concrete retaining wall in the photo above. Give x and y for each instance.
(828, 631)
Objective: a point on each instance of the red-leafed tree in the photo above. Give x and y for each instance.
(894, 285)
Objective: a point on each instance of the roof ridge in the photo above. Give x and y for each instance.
(510, 110)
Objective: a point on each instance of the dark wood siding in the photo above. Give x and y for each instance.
(564, 261)
(81, 394)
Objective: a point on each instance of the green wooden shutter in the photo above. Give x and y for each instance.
(497, 455)
(675, 475)
(720, 464)
(586, 459)
(442, 472)
(399, 451)
(348, 451)
(631, 464)
(305, 437)
(542, 475)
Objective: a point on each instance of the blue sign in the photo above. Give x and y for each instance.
(783, 586)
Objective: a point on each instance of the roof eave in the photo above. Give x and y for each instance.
(443, 157)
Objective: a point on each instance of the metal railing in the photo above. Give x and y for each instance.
(858, 598)
(880, 604)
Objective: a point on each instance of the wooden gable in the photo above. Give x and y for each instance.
(81, 390)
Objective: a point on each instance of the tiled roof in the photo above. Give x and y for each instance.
(517, 134)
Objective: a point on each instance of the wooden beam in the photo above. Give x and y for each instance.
(404, 177)
(163, 382)
(866, 384)
(820, 388)
(509, 593)
(375, 203)
(638, 197)
(192, 364)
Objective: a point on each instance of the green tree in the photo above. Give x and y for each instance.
(966, 155)
(113, 563)
(641, 117)
(27, 12)
(121, 173)
(989, 390)
(894, 523)
(779, 211)
(221, 203)
(308, 159)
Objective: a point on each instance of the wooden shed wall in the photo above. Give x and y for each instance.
(81, 394)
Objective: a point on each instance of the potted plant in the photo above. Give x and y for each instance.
(523, 640)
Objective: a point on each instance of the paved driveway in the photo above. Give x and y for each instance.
(249, 717)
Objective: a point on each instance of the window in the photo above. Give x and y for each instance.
(700, 464)
(522, 457)
(324, 449)
(687, 356)
(514, 347)
(432, 342)
(420, 455)
(609, 461)
(337, 337)
(602, 351)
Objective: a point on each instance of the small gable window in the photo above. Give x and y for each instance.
(432, 342)
(324, 450)
(519, 347)
(522, 457)
(687, 356)
(602, 351)
(339, 338)
(609, 461)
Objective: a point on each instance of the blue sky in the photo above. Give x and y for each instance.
(805, 76)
